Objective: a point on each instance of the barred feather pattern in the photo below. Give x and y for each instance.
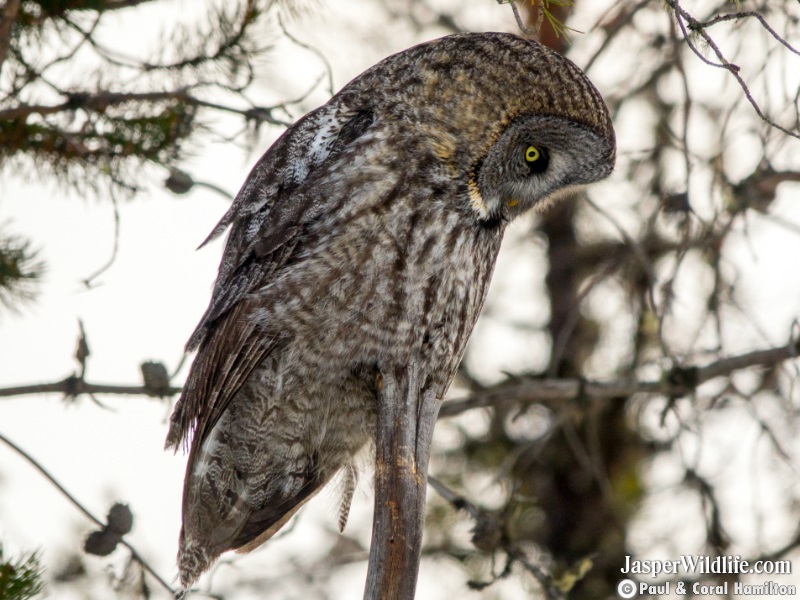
(349, 483)
(364, 239)
(309, 407)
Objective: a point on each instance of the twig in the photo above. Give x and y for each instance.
(545, 580)
(522, 27)
(310, 48)
(456, 500)
(698, 28)
(87, 281)
(102, 100)
(118, 4)
(74, 386)
(634, 245)
(755, 15)
(515, 555)
(615, 24)
(680, 382)
(134, 553)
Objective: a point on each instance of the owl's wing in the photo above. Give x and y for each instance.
(266, 213)
(266, 220)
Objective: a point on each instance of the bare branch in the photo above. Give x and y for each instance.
(310, 48)
(456, 500)
(74, 386)
(103, 100)
(754, 15)
(545, 580)
(614, 25)
(134, 553)
(88, 281)
(699, 28)
(487, 526)
(526, 30)
(117, 4)
(678, 382)
(406, 417)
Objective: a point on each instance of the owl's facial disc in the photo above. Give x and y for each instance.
(534, 162)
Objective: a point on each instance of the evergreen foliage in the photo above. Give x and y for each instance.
(20, 577)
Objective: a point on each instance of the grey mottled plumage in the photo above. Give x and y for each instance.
(363, 239)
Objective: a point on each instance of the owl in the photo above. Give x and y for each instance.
(364, 239)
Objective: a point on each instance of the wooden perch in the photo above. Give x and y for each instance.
(406, 417)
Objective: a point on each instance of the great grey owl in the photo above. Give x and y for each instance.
(363, 239)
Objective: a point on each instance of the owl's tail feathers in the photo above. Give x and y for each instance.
(199, 550)
(177, 437)
(349, 483)
(264, 523)
(193, 560)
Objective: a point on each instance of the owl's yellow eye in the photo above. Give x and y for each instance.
(532, 154)
(537, 158)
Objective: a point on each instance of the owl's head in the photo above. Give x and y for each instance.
(514, 122)
(536, 160)
(518, 123)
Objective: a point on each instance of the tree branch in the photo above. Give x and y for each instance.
(699, 28)
(103, 100)
(488, 527)
(678, 382)
(74, 386)
(406, 417)
(754, 15)
(117, 4)
(134, 553)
